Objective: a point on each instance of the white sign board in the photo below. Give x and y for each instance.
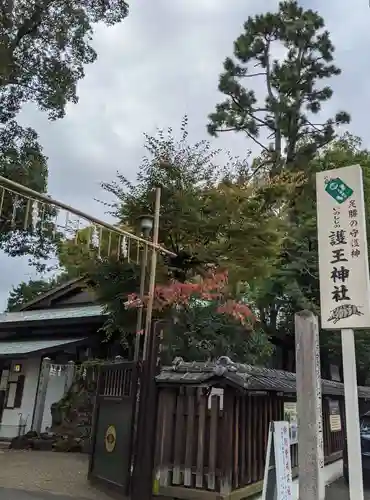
(343, 257)
(282, 461)
(278, 483)
(290, 415)
(334, 416)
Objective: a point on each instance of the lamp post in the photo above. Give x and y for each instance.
(152, 275)
(145, 445)
(146, 226)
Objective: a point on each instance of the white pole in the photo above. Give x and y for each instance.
(356, 488)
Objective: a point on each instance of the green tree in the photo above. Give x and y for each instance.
(25, 292)
(343, 152)
(108, 271)
(210, 214)
(22, 160)
(295, 283)
(286, 112)
(202, 333)
(332, 345)
(283, 122)
(204, 321)
(44, 47)
(90, 246)
(114, 280)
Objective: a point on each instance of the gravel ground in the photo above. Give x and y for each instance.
(339, 491)
(27, 475)
(10, 494)
(43, 472)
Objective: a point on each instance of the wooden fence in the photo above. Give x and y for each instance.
(210, 445)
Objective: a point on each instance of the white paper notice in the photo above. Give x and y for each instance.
(282, 461)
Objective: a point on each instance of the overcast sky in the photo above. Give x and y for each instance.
(161, 62)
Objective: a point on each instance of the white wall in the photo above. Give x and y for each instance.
(10, 420)
(55, 391)
(332, 472)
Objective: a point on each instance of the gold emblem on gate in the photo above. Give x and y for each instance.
(110, 439)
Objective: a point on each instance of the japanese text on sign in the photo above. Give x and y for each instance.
(283, 461)
(334, 416)
(343, 265)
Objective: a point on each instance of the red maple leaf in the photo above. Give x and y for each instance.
(211, 287)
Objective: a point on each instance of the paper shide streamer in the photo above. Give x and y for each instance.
(43, 216)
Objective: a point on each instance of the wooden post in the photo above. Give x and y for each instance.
(227, 443)
(142, 476)
(69, 376)
(309, 411)
(41, 395)
(189, 441)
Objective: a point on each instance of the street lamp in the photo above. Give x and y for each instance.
(146, 226)
(142, 482)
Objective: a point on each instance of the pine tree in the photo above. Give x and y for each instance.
(281, 119)
(275, 88)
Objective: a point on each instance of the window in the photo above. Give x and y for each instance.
(4, 380)
(10, 397)
(15, 393)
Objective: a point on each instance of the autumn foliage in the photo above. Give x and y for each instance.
(213, 287)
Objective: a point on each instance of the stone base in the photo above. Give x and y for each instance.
(49, 442)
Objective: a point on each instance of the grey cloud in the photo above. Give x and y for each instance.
(163, 61)
(349, 24)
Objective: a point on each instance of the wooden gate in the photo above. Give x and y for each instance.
(111, 459)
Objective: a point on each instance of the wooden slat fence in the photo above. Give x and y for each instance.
(218, 443)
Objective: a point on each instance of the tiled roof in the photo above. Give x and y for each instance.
(21, 347)
(50, 314)
(250, 378)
